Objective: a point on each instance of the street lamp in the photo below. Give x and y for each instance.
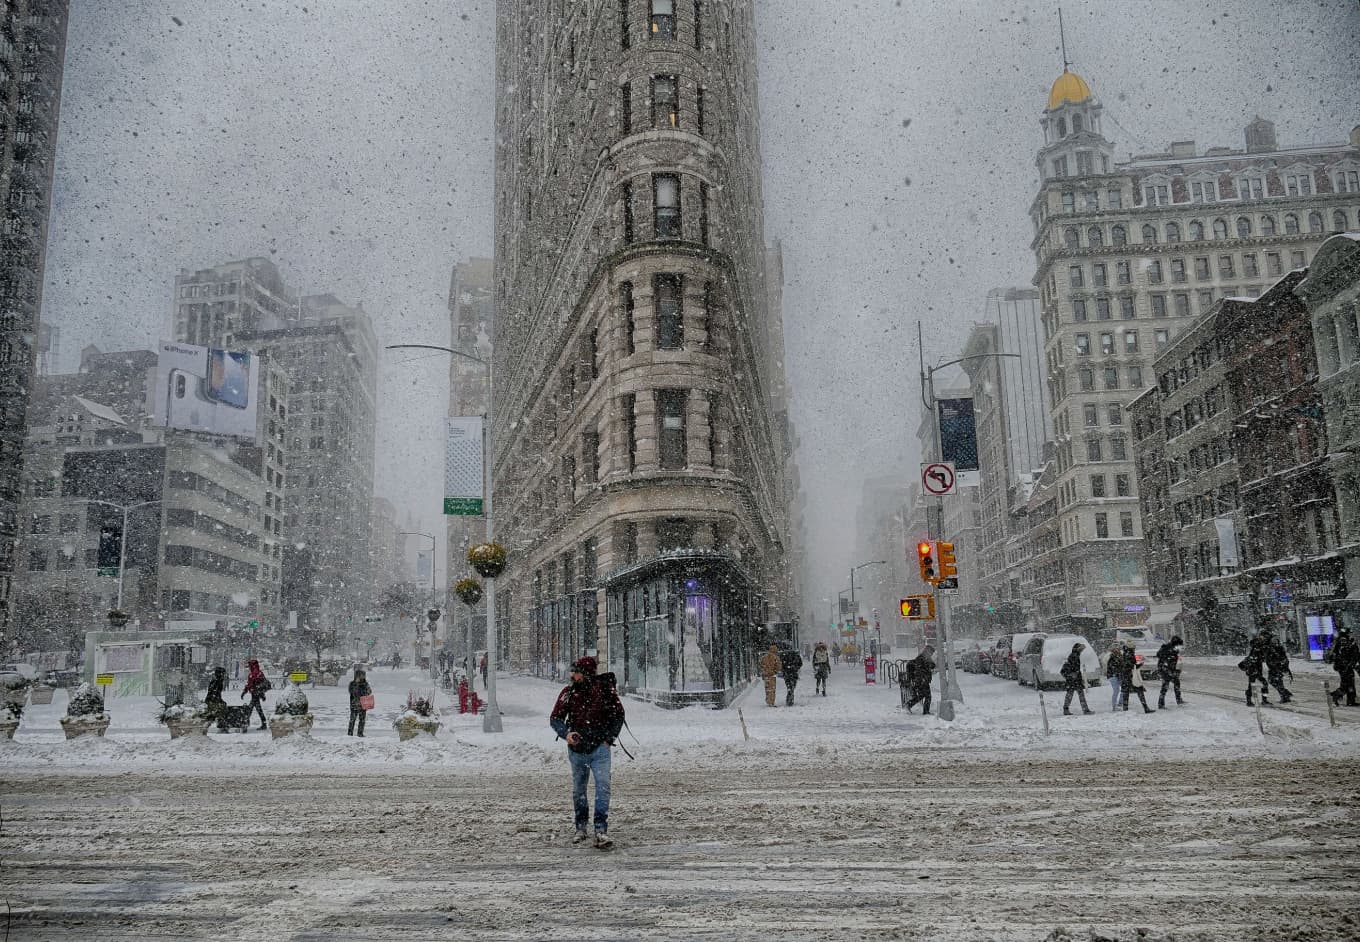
(949, 682)
(434, 558)
(491, 720)
(125, 509)
(854, 613)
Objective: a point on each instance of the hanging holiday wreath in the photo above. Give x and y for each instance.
(488, 559)
(469, 591)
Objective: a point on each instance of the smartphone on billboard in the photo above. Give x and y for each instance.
(185, 406)
(229, 378)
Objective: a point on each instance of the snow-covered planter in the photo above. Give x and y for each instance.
(183, 720)
(9, 720)
(419, 717)
(290, 714)
(488, 559)
(85, 713)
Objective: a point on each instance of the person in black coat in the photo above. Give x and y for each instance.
(790, 663)
(1345, 658)
(1074, 681)
(1169, 667)
(1254, 664)
(358, 687)
(1277, 665)
(916, 679)
(213, 701)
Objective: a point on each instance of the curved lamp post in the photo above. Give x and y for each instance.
(491, 720)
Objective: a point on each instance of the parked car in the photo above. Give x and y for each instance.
(1019, 642)
(1003, 658)
(972, 659)
(17, 675)
(1041, 662)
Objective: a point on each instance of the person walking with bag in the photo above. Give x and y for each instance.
(360, 701)
(1277, 665)
(1074, 681)
(916, 680)
(256, 686)
(1131, 678)
(1114, 659)
(821, 666)
(770, 666)
(589, 715)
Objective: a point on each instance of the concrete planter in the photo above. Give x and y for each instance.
(189, 726)
(77, 726)
(410, 727)
(286, 724)
(8, 728)
(39, 693)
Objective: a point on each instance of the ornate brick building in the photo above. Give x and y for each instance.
(640, 479)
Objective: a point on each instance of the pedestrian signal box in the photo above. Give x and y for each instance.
(919, 607)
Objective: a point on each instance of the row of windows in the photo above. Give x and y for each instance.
(661, 22)
(1109, 345)
(207, 561)
(189, 481)
(668, 293)
(1194, 412)
(1295, 183)
(1123, 486)
(664, 103)
(1242, 228)
(1201, 507)
(208, 291)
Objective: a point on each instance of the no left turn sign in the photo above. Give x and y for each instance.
(938, 478)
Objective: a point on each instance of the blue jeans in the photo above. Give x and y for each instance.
(582, 765)
(1114, 693)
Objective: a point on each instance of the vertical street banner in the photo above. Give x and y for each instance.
(463, 478)
(958, 433)
(1227, 542)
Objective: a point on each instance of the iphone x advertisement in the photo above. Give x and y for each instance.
(201, 389)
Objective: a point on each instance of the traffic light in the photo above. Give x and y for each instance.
(948, 565)
(919, 607)
(925, 553)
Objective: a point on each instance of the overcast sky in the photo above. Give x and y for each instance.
(351, 142)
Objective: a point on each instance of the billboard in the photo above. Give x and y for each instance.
(202, 389)
(463, 466)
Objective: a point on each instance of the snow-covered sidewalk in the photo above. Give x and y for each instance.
(997, 720)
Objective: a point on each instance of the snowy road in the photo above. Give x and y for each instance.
(899, 845)
(842, 818)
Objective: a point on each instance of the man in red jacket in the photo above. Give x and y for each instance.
(588, 715)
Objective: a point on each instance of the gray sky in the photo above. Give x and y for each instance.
(355, 149)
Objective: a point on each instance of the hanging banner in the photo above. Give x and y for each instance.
(1227, 542)
(463, 478)
(958, 434)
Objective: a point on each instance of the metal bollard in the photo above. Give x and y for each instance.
(1043, 711)
(1331, 704)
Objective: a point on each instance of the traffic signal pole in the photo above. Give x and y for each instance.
(949, 684)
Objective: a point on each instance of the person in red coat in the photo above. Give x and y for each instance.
(256, 686)
(589, 715)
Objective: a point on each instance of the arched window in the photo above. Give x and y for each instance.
(1071, 238)
(1076, 124)
(1062, 127)
(1196, 231)
(1094, 237)
(1267, 225)
(1118, 236)
(1291, 224)
(1315, 222)
(1173, 232)
(1220, 228)
(1339, 220)
(1243, 227)
(1149, 233)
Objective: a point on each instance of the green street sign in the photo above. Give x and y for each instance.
(111, 571)
(462, 506)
